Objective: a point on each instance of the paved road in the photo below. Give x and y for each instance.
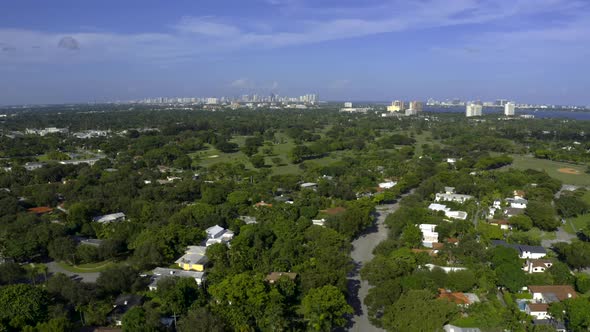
(53, 267)
(560, 236)
(362, 253)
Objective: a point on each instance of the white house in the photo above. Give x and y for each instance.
(429, 236)
(450, 196)
(537, 265)
(387, 184)
(517, 203)
(447, 269)
(218, 234)
(109, 218)
(462, 215)
(524, 251)
(161, 272)
(319, 222)
(537, 310)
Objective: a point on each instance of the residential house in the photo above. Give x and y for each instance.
(517, 203)
(429, 236)
(387, 184)
(545, 295)
(109, 218)
(40, 210)
(537, 265)
(273, 277)
(319, 222)
(123, 303)
(31, 166)
(218, 234)
(447, 269)
(450, 196)
(556, 325)
(248, 220)
(309, 185)
(194, 258)
(453, 328)
(90, 242)
(461, 215)
(160, 273)
(262, 204)
(459, 298)
(503, 224)
(90, 161)
(524, 251)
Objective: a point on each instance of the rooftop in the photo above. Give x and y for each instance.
(275, 276)
(561, 292)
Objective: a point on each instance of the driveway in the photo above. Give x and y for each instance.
(53, 267)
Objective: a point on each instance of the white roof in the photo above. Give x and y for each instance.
(308, 184)
(162, 271)
(109, 217)
(438, 207)
(214, 231)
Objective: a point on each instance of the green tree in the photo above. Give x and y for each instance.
(577, 314)
(511, 276)
(22, 305)
(325, 308)
(417, 310)
(201, 320)
(412, 236)
(521, 222)
(543, 215)
(135, 320)
(63, 249)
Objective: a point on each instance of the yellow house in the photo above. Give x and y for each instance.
(193, 259)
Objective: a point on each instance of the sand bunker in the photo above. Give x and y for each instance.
(569, 171)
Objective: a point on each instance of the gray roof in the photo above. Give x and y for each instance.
(520, 247)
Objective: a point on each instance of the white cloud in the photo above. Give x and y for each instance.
(193, 36)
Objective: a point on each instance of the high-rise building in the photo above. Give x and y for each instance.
(416, 106)
(509, 109)
(348, 105)
(212, 101)
(396, 106)
(473, 109)
(501, 102)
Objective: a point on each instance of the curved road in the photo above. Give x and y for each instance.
(362, 253)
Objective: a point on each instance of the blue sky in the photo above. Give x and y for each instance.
(76, 51)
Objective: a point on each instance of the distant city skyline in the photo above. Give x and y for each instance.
(68, 51)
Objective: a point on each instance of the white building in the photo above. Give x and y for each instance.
(109, 218)
(462, 215)
(473, 109)
(212, 101)
(387, 185)
(348, 105)
(218, 234)
(161, 272)
(537, 265)
(429, 236)
(450, 196)
(509, 109)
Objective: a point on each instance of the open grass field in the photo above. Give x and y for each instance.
(567, 173)
(281, 149)
(86, 268)
(573, 225)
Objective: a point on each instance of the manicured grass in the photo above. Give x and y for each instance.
(539, 234)
(281, 149)
(576, 224)
(552, 167)
(86, 268)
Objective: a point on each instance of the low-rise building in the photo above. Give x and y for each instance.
(429, 236)
(194, 259)
(459, 298)
(545, 295)
(537, 265)
(524, 251)
(160, 273)
(109, 218)
(273, 277)
(123, 303)
(218, 234)
(461, 215)
(387, 184)
(450, 196)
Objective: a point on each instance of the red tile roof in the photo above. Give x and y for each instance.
(40, 209)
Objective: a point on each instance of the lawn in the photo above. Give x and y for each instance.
(552, 168)
(86, 268)
(574, 225)
(281, 149)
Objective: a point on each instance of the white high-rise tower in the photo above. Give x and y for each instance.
(509, 109)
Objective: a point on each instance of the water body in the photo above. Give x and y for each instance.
(539, 114)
